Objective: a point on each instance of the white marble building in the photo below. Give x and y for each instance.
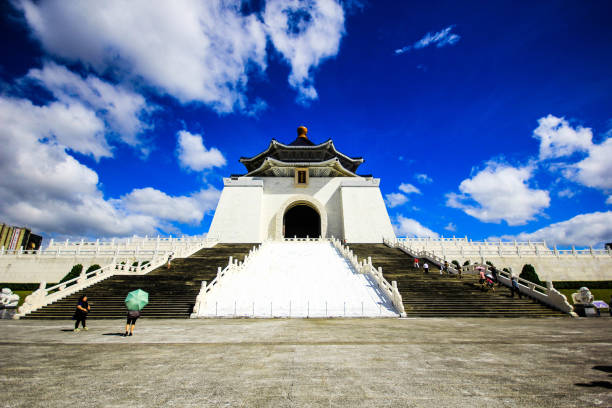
(301, 189)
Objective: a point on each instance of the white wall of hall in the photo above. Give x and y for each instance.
(249, 209)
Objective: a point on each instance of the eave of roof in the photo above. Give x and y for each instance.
(275, 143)
(270, 162)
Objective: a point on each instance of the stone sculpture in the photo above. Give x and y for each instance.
(8, 303)
(583, 296)
(8, 299)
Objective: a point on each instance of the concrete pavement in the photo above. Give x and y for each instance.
(556, 362)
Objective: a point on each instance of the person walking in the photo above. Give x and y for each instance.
(446, 266)
(170, 255)
(426, 267)
(132, 316)
(514, 287)
(441, 268)
(416, 263)
(80, 314)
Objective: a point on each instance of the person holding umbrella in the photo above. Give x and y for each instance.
(135, 301)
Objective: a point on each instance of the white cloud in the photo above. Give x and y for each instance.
(45, 188)
(442, 38)
(559, 139)
(423, 178)
(395, 199)
(305, 33)
(451, 227)
(566, 193)
(194, 155)
(184, 209)
(596, 169)
(193, 50)
(500, 192)
(121, 109)
(409, 188)
(70, 126)
(196, 51)
(583, 230)
(408, 227)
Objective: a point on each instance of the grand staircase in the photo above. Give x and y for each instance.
(432, 295)
(172, 292)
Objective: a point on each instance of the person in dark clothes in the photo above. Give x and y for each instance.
(514, 287)
(80, 314)
(132, 316)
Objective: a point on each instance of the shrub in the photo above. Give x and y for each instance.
(74, 273)
(490, 264)
(92, 268)
(466, 263)
(529, 273)
(456, 263)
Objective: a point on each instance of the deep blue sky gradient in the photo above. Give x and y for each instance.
(445, 111)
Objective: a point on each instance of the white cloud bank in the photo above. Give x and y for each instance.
(192, 153)
(441, 39)
(583, 230)
(45, 188)
(196, 51)
(500, 192)
(408, 227)
(123, 111)
(559, 140)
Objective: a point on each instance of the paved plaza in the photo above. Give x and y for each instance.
(556, 362)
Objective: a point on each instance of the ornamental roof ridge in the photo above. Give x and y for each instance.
(328, 142)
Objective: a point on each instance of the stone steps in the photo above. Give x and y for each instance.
(435, 295)
(172, 292)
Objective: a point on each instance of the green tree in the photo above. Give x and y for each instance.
(74, 273)
(466, 263)
(92, 268)
(456, 263)
(529, 273)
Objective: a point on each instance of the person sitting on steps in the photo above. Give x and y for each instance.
(416, 263)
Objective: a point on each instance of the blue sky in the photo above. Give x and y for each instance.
(486, 119)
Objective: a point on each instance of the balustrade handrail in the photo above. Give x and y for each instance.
(366, 267)
(233, 265)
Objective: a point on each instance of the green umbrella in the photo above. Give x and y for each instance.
(136, 299)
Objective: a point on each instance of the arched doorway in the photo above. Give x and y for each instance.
(301, 221)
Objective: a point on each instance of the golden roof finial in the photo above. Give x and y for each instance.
(302, 131)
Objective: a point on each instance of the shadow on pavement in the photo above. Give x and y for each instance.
(112, 334)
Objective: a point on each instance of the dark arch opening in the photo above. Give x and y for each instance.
(301, 221)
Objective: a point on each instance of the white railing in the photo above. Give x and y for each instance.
(149, 248)
(44, 295)
(366, 267)
(233, 266)
(430, 256)
(500, 249)
(544, 294)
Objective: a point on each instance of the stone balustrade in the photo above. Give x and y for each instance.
(365, 266)
(233, 266)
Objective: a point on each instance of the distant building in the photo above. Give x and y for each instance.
(12, 238)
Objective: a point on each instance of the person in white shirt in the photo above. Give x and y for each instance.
(426, 267)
